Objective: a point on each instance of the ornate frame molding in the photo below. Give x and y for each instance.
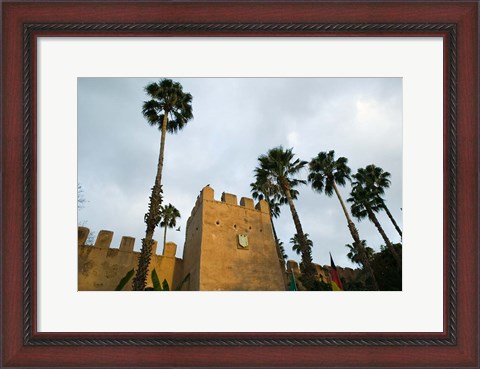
(189, 29)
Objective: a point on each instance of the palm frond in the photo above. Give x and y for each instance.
(325, 171)
(169, 215)
(167, 97)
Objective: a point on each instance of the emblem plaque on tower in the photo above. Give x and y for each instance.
(243, 241)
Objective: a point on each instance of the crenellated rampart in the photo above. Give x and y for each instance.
(101, 267)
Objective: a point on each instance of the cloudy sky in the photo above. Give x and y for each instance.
(235, 121)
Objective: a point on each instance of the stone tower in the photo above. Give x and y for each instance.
(230, 246)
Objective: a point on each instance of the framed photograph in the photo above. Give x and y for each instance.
(395, 84)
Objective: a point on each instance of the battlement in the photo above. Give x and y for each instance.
(104, 240)
(101, 267)
(207, 194)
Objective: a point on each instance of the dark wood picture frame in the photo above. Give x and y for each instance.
(23, 22)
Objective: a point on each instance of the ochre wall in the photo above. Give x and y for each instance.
(323, 273)
(100, 268)
(212, 254)
(191, 250)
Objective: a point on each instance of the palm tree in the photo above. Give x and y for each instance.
(271, 193)
(354, 254)
(295, 241)
(377, 180)
(280, 167)
(365, 203)
(282, 250)
(168, 215)
(170, 109)
(325, 174)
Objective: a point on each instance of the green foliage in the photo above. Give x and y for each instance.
(266, 189)
(377, 180)
(384, 265)
(368, 186)
(389, 276)
(155, 281)
(321, 286)
(364, 199)
(325, 171)
(296, 245)
(165, 286)
(374, 178)
(357, 285)
(354, 252)
(282, 250)
(313, 284)
(168, 216)
(280, 170)
(124, 280)
(167, 99)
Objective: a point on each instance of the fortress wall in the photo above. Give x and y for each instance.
(323, 273)
(224, 264)
(165, 265)
(100, 267)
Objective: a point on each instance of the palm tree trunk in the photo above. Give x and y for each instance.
(281, 260)
(154, 211)
(274, 231)
(277, 242)
(164, 237)
(392, 220)
(158, 178)
(267, 199)
(279, 254)
(140, 279)
(356, 238)
(373, 218)
(307, 261)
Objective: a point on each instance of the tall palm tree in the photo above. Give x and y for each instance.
(170, 109)
(295, 241)
(326, 174)
(168, 215)
(365, 203)
(377, 180)
(280, 167)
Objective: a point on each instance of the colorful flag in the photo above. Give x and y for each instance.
(336, 282)
(292, 285)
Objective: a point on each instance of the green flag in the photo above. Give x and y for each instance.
(292, 285)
